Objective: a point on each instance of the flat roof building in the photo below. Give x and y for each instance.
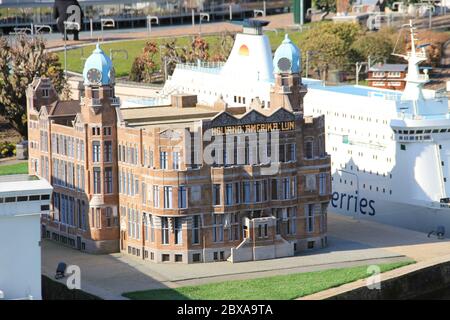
(180, 178)
(23, 199)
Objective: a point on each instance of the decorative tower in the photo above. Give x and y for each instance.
(99, 115)
(288, 90)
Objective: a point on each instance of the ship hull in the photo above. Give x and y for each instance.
(410, 216)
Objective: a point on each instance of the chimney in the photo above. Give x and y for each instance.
(183, 100)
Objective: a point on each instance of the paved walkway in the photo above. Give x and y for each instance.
(351, 243)
(276, 22)
(10, 161)
(413, 244)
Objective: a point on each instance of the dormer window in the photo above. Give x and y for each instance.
(45, 93)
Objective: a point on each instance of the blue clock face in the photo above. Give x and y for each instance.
(94, 76)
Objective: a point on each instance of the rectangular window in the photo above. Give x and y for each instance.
(168, 197)
(257, 191)
(108, 216)
(107, 131)
(156, 196)
(286, 188)
(216, 195)
(150, 160)
(309, 208)
(96, 151)
(246, 190)
(229, 194)
(237, 193)
(264, 190)
(274, 189)
(290, 152)
(138, 225)
(176, 161)
(309, 149)
(182, 197)
(108, 151)
(108, 180)
(163, 160)
(98, 217)
(144, 193)
(195, 229)
(282, 153)
(164, 230)
(178, 229)
(233, 232)
(322, 183)
(217, 227)
(97, 181)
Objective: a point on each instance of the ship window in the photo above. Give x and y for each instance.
(402, 147)
(411, 131)
(440, 146)
(442, 163)
(419, 131)
(435, 131)
(427, 131)
(443, 130)
(445, 179)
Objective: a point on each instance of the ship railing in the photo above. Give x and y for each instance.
(211, 67)
(384, 95)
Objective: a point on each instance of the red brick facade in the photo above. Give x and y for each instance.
(125, 179)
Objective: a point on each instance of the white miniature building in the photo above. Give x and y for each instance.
(23, 199)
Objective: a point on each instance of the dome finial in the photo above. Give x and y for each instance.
(287, 57)
(286, 38)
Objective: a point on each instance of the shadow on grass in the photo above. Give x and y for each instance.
(157, 294)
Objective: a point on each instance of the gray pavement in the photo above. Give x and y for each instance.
(108, 276)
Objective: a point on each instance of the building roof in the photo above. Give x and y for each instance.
(287, 57)
(99, 61)
(397, 67)
(64, 108)
(23, 183)
(166, 114)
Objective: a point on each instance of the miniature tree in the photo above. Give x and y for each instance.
(20, 63)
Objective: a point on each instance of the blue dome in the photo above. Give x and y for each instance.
(100, 61)
(287, 57)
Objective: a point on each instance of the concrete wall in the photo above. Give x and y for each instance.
(246, 252)
(20, 256)
(421, 283)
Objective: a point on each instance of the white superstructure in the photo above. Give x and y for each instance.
(22, 200)
(390, 150)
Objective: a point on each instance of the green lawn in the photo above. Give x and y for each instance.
(76, 57)
(19, 168)
(283, 287)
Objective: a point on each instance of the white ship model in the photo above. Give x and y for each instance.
(390, 150)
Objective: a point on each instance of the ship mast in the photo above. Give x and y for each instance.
(414, 80)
